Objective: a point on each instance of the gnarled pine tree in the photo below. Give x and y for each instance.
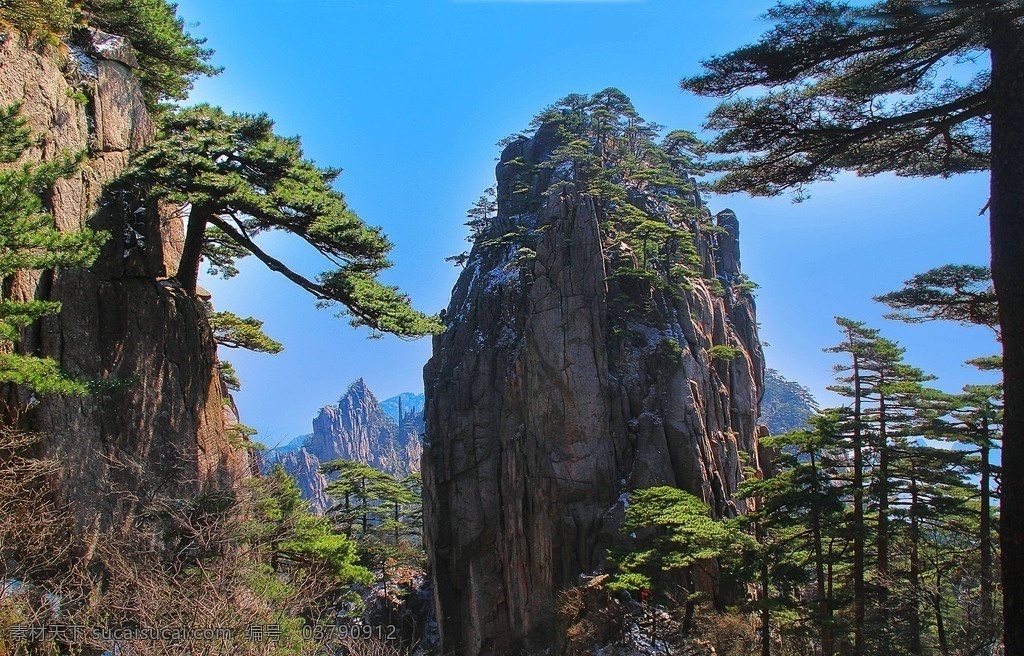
(239, 180)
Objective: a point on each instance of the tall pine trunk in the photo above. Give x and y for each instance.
(192, 250)
(914, 575)
(882, 539)
(822, 589)
(858, 507)
(985, 528)
(1006, 221)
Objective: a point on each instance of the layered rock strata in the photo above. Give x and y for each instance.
(547, 402)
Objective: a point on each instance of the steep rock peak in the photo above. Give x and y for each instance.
(580, 363)
(173, 428)
(356, 428)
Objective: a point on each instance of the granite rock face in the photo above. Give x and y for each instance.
(356, 428)
(167, 432)
(545, 405)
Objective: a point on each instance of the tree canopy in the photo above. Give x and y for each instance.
(912, 87)
(961, 293)
(239, 180)
(893, 85)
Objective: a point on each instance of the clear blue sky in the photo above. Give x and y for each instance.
(409, 98)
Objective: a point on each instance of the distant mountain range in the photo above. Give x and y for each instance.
(385, 435)
(406, 402)
(786, 405)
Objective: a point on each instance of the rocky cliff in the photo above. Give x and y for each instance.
(166, 429)
(572, 373)
(356, 428)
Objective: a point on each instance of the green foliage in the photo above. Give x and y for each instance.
(30, 240)
(724, 352)
(241, 180)
(47, 20)
(170, 59)
(961, 293)
(78, 96)
(481, 214)
(231, 331)
(295, 539)
(674, 533)
(229, 376)
(221, 253)
(670, 350)
(743, 285)
(643, 189)
(859, 87)
(382, 515)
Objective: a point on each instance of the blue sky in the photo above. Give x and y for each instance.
(409, 98)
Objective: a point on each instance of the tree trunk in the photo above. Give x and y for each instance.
(824, 603)
(192, 249)
(940, 623)
(985, 529)
(882, 539)
(858, 509)
(766, 613)
(1006, 222)
(914, 575)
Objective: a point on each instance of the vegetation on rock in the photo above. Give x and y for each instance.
(170, 58)
(29, 240)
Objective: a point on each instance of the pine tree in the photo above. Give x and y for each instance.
(675, 535)
(481, 214)
(296, 539)
(872, 88)
(240, 179)
(975, 420)
(232, 331)
(361, 490)
(857, 343)
(800, 523)
(961, 293)
(30, 241)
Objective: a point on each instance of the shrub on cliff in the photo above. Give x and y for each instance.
(170, 58)
(30, 240)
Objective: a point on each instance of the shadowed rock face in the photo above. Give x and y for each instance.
(167, 433)
(544, 406)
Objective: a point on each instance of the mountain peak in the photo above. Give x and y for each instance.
(357, 389)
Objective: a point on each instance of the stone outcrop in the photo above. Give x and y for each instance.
(556, 390)
(165, 431)
(356, 428)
